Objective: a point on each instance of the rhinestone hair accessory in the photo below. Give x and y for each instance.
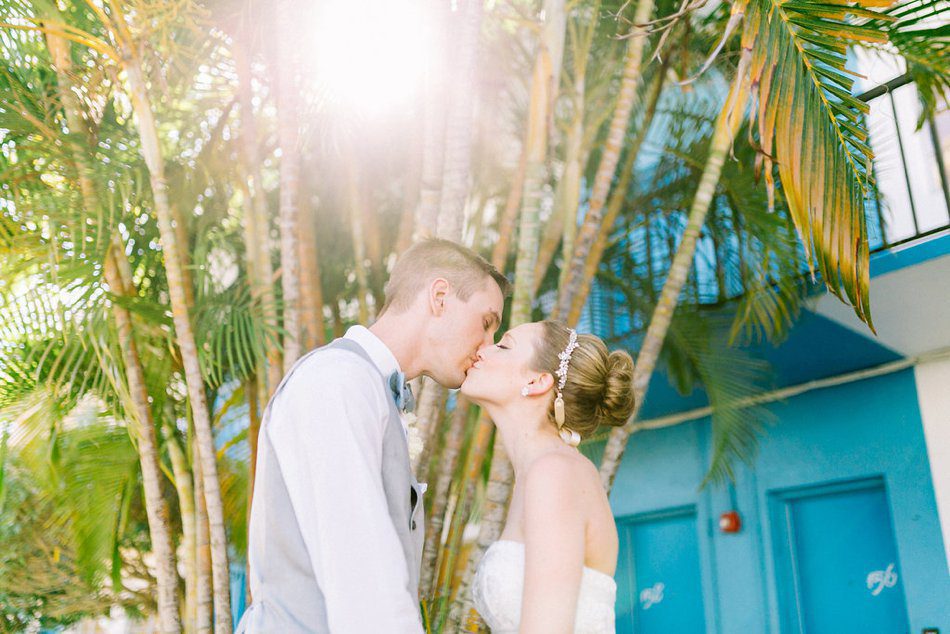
(565, 357)
(565, 360)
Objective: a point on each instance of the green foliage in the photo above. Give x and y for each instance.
(920, 32)
(72, 527)
(813, 128)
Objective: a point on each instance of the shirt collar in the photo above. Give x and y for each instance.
(382, 356)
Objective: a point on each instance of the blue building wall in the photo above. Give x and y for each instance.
(865, 432)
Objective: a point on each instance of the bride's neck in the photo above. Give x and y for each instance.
(525, 434)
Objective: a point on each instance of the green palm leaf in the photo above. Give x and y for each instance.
(813, 128)
(919, 30)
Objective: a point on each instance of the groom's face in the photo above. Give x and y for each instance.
(462, 328)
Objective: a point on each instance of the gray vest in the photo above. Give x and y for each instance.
(286, 595)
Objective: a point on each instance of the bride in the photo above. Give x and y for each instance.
(546, 387)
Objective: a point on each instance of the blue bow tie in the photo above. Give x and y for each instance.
(402, 394)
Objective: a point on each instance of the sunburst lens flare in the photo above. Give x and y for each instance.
(369, 55)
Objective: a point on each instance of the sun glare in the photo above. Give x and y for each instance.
(367, 54)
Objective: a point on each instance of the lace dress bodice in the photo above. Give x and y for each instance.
(499, 586)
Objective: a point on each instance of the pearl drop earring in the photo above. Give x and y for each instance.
(524, 391)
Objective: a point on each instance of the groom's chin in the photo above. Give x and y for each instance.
(453, 382)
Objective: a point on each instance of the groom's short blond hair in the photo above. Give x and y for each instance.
(428, 259)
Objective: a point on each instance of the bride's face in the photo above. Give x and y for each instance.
(504, 368)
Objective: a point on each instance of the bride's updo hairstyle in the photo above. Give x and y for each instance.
(599, 387)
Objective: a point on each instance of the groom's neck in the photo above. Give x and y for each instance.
(400, 333)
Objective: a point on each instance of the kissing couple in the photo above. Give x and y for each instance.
(336, 529)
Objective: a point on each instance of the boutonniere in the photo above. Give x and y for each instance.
(414, 440)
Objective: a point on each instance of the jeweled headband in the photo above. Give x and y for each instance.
(565, 357)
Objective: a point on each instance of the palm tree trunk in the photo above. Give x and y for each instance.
(355, 205)
(288, 132)
(476, 227)
(619, 194)
(506, 224)
(555, 23)
(311, 291)
(576, 159)
(576, 154)
(458, 125)
(253, 430)
(143, 428)
(435, 516)
(433, 145)
(374, 253)
(474, 460)
(413, 188)
(726, 126)
(575, 284)
(147, 445)
(552, 234)
(431, 403)
(186, 505)
(203, 555)
(338, 329)
(151, 150)
(256, 223)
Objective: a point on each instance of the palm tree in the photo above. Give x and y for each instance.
(141, 104)
(256, 218)
(574, 283)
(121, 285)
(617, 197)
(794, 58)
(126, 53)
(726, 126)
(563, 223)
(288, 131)
(458, 124)
(433, 144)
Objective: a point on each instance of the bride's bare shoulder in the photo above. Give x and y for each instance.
(561, 471)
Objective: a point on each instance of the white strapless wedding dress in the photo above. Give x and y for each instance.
(499, 585)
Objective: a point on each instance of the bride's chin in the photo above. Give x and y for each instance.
(466, 390)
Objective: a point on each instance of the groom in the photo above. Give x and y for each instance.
(336, 526)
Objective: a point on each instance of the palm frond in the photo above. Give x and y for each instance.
(920, 32)
(728, 375)
(697, 354)
(231, 333)
(813, 128)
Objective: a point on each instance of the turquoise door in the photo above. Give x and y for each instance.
(659, 587)
(836, 562)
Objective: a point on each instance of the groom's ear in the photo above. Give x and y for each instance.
(439, 291)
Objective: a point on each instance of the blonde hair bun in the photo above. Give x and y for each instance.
(599, 387)
(619, 400)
